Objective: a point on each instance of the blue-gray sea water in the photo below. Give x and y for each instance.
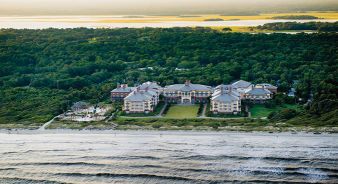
(167, 157)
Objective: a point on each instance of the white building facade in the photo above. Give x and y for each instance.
(143, 99)
(187, 93)
(140, 102)
(258, 95)
(225, 101)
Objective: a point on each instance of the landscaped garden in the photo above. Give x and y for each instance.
(182, 111)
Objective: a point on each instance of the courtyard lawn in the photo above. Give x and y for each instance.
(259, 110)
(182, 111)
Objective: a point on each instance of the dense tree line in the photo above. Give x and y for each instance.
(296, 17)
(56, 67)
(311, 26)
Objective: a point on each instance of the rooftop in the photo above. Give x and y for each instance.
(123, 88)
(258, 91)
(140, 96)
(225, 97)
(149, 85)
(266, 85)
(241, 84)
(188, 87)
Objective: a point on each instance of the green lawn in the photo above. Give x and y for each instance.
(181, 112)
(259, 110)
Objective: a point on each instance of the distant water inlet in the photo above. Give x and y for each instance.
(43, 22)
(167, 157)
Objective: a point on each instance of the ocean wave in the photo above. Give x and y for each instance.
(16, 180)
(220, 157)
(115, 175)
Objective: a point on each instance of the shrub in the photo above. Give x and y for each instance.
(214, 125)
(284, 114)
(157, 125)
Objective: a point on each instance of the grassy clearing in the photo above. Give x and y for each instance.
(182, 112)
(259, 110)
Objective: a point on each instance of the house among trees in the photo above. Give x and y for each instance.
(78, 106)
(187, 93)
(119, 93)
(292, 92)
(225, 101)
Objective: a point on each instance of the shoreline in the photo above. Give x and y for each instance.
(269, 130)
(188, 125)
(157, 132)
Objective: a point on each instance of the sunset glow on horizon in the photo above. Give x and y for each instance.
(144, 7)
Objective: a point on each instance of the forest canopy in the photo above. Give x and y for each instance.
(311, 26)
(42, 72)
(296, 17)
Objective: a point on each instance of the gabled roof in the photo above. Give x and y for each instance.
(232, 92)
(80, 105)
(266, 85)
(241, 84)
(149, 85)
(225, 97)
(224, 86)
(139, 96)
(124, 89)
(150, 92)
(188, 87)
(258, 91)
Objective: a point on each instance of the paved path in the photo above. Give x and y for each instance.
(204, 111)
(247, 110)
(162, 110)
(44, 126)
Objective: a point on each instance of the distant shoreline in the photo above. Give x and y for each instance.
(155, 21)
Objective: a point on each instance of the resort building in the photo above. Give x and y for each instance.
(225, 101)
(151, 86)
(187, 93)
(258, 95)
(224, 98)
(241, 86)
(225, 88)
(267, 86)
(140, 101)
(119, 93)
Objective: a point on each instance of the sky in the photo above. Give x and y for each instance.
(159, 7)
